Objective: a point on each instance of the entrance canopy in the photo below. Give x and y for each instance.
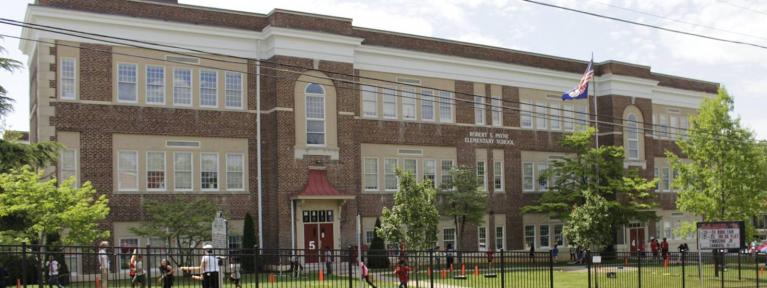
(318, 187)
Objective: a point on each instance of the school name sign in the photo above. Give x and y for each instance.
(721, 235)
(476, 137)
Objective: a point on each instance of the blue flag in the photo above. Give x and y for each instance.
(582, 90)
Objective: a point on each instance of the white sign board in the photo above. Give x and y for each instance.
(219, 232)
(596, 259)
(476, 137)
(721, 235)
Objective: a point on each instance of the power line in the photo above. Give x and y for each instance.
(648, 25)
(743, 7)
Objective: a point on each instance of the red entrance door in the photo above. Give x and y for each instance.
(318, 237)
(636, 236)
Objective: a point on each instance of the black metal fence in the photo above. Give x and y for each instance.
(29, 266)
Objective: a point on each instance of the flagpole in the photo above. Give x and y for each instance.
(596, 111)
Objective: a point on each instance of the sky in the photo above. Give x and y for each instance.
(519, 25)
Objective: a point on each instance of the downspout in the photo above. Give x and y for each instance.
(258, 156)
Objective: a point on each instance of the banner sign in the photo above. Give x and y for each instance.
(721, 235)
(476, 137)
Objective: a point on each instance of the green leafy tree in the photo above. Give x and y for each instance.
(584, 185)
(248, 241)
(14, 154)
(413, 218)
(377, 255)
(10, 65)
(724, 175)
(464, 202)
(182, 223)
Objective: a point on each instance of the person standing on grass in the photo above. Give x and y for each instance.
(235, 276)
(208, 267)
(137, 262)
(555, 251)
(104, 263)
(328, 261)
(403, 273)
(654, 248)
(532, 252)
(365, 274)
(166, 271)
(53, 272)
(449, 256)
(664, 249)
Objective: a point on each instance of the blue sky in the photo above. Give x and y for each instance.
(519, 25)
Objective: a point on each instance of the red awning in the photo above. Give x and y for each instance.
(318, 187)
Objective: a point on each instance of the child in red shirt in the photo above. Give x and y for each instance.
(403, 272)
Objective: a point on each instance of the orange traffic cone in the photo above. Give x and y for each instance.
(476, 270)
(322, 275)
(98, 282)
(463, 269)
(272, 278)
(444, 274)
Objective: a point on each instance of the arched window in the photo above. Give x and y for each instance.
(315, 114)
(632, 137)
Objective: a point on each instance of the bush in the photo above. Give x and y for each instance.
(377, 254)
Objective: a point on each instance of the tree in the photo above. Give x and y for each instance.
(584, 185)
(183, 223)
(412, 220)
(50, 208)
(248, 241)
(378, 257)
(464, 201)
(14, 154)
(724, 175)
(10, 65)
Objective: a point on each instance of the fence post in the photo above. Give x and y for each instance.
(588, 266)
(24, 264)
(503, 273)
(256, 251)
(148, 266)
(739, 265)
(756, 261)
(683, 256)
(350, 266)
(431, 266)
(551, 268)
(639, 269)
(722, 265)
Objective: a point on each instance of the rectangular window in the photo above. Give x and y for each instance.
(481, 175)
(633, 141)
(558, 239)
(674, 127)
(541, 117)
(568, 117)
(526, 119)
(410, 166)
(126, 251)
(209, 171)
(68, 165)
(482, 238)
(371, 174)
(683, 126)
(529, 235)
(127, 179)
(427, 105)
(182, 171)
(448, 237)
(497, 111)
(498, 176)
(182, 87)
(446, 106)
(369, 236)
(556, 122)
(390, 175)
(315, 119)
(447, 179)
(583, 117)
(369, 101)
(126, 83)
(499, 238)
(155, 171)
(479, 110)
(527, 177)
(666, 181)
(657, 176)
(663, 119)
(544, 238)
(543, 183)
(68, 76)
(208, 88)
(408, 103)
(155, 84)
(233, 98)
(389, 103)
(430, 171)
(235, 172)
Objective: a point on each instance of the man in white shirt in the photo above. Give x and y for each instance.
(53, 271)
(104, 263)
(208, 268)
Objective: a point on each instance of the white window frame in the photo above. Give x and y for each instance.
(561, 234)
(215, 88)
(74, 165)
(415, 166)
(386, 93)
(164, 171)
(242, 172)
(394, 173)
(541, 116)
(541, 235)
(367, 92)
(146, 85)
(568, 117)
(136, 172)
(496, 108)
(583, 117)
(554, 113)
(409, 100)
(534, 236)
(500, 245)
(666, 179)
(135, 83)
(539, 168)
(191, 172)
(427, 100)
(366, 173)
(324, 115)
(432, 173)
(191, 87)
(241, 95)
(481, 173)
(684, 125)
(663, 121)
(498, 176)
(632, 136)
(480, 113)
(482, 240)
(446, 99)
(74, 78)
(533, 185)
(526, 115)
(444, 175)
(444, 239)
(218, 174)
(673, 123)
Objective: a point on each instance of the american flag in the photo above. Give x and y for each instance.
(582, 90)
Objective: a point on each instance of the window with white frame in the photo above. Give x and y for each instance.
(529, 235)
(656, 174)
(568, 117)
(126, 82)
(209, 171)
(683, 126)
(666, 179)
(389, 97)
(497, 111)
(369, 236)
(390, 176)
(541, 117)
(673, 127)
(127, 174)
(663, 128)
(315, 114)
(235, 172)
(556, 121)
(482, 175)
(448, 237)
(544, 238)
(445, 167)
(155, 84)
(430, 171)
(68, 77)
(558, 239)
(234, 242)
(155, 171)
(369, 101)
(479, 110)
(182, 87)
(543, 182)
(182, 171)
(632, 134)
(583, 117)
(500, 237)
(208, 88)
(525, 118)
(68, 165)
(527, 177)
(446, 104)
(408, 103)
(371, 174)
(498, 176)
(427, 105)
(233, 86)
(127, 245)
(410, 166)
(482, 238)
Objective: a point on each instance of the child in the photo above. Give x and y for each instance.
(403, 272)
(366, 274)
(235, 275)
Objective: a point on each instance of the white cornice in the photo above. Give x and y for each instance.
(308, 44)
